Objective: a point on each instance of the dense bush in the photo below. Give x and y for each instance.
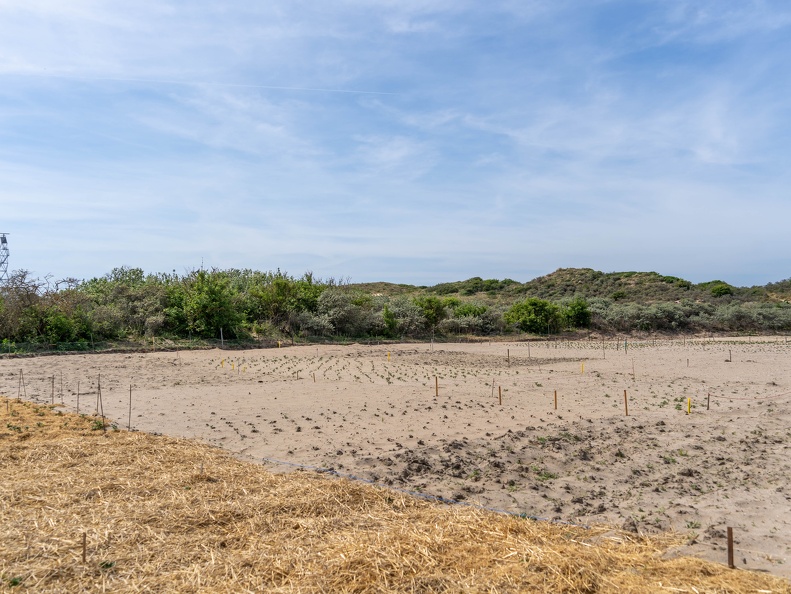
(128, 304)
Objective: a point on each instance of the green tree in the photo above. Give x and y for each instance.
(209, 305)
(433, 309)
(577, 314)
(534, 315)
(390, 322)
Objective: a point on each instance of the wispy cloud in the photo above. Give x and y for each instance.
(424, 141)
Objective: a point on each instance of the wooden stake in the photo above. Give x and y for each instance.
(101, 405)
(730, 548)
(492, 387)
(634, 377)
(528, 349)
(500, 394)
(129, 423)
(689, 406)
(508, 355)
(556, 399)
(708, 401)
(436, 386)
(625, 403)
(730, 356)
(78, 396)
(53, 389)
(314, 377)
(61, 387)
(687, 362)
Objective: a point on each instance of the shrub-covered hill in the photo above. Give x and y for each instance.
(128, 304)
(631, 287)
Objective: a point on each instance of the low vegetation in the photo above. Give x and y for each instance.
(127, 304)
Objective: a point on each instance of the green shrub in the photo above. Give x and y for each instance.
(534, 315)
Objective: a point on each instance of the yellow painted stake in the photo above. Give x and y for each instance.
(582, 367)
(222, 363)
(278, 344)
(388, 355)
(689, 405)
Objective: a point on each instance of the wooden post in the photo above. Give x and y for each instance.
(634, 377)
(708, 401)
(84, 547)
(129, 423)
(492, 387)
(730, 356)
(61, 387)
(528, 349)
(730, 548)
(500, 394)
(222, 340)
(436, 386)
(687, 362)
(625, 403)
(78, 396)
(689, 406)
(556, 399)
(508, 355)
(314, 377)
(101, 405)
(53, 389)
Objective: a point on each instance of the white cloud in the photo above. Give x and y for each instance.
(518, 136)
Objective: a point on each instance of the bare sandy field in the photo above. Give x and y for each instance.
(372, 412)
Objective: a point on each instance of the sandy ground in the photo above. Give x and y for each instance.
(372, 412)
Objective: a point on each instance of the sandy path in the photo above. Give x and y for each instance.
(377, 417)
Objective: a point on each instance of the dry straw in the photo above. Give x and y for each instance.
(158, 514)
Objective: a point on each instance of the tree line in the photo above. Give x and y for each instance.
(127, 304)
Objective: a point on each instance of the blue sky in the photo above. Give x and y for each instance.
(407, 141)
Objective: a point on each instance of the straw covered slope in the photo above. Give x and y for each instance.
(170, 515)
